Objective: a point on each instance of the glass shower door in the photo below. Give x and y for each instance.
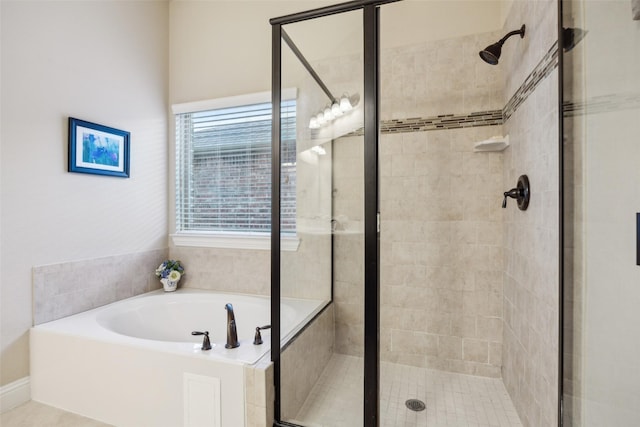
(321, 367)
(601, 379)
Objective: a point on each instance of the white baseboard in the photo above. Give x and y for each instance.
(15, 394)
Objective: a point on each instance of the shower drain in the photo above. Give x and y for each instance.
(415, 405)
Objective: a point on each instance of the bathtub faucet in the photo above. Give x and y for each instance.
(232, 333)
(257, 339)
(206, 342)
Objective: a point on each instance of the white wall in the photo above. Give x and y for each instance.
(101, 61)
(610, 155)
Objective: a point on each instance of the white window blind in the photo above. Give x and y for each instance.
(223, 169)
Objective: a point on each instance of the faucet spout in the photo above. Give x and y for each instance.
(232, 332)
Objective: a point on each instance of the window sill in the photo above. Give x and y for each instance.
(255, 241)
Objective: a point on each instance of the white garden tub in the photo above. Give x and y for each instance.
(135, 362)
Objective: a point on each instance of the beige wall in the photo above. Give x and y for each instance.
(104, 62)
(209, 38)
(223, 48)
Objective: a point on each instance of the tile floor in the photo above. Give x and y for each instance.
(451, 399)
(34, 414)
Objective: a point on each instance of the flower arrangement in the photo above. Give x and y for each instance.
(170, 269)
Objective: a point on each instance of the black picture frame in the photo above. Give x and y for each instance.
(98, 149)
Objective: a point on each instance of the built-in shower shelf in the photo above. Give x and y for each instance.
(495, 143)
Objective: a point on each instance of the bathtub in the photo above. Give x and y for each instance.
(135, 362)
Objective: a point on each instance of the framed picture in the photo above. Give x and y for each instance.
(98, 149)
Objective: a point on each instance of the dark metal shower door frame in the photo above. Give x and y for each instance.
(372, 285)
(371, 29)
(561, 211)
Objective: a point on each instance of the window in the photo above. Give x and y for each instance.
(223, 168)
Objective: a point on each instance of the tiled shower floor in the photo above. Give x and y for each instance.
(451, 399)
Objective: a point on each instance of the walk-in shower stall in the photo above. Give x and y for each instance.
(405, 143)
(400, 178)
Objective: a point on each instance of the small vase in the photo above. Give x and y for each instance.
(169, 285)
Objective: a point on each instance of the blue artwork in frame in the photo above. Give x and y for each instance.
(98, 149)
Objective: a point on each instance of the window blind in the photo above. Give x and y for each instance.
(223, 169)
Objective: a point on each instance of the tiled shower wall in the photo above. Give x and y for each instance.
(531, 239)
(422, 323)
(439, 77)
(441, 252)
(531, 265)
(441, 221)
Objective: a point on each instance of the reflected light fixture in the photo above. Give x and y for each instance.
(328, 115)
(345, 104)
(336, 109)
(320, 151)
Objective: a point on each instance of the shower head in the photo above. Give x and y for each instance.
(491, 53)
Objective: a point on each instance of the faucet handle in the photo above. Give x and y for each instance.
(257, 339)
(206, 343)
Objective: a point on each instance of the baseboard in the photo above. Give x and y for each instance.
(15, 394)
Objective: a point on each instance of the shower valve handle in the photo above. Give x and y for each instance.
(521, 193)
(514, 193)
(206, 343)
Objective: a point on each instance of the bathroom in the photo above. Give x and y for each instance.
(83, 241)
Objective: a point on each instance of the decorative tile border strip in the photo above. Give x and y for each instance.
(447, 121)
(547, 64)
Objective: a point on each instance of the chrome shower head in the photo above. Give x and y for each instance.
(491, 53)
